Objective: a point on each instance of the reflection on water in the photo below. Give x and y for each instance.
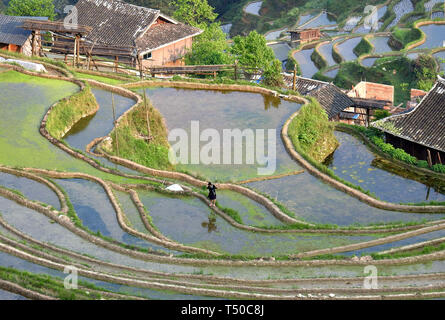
(254, 8)
(354, 162)
(100, 124)
(307, 66)
(31, 189)
(314, 201)
(346, 48)
(380, 44)
(96, 212)
(323, 20)
(225, 110)
(188, 220)
(326, 51)
(369, 62)
(434, 36)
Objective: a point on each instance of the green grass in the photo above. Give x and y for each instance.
(406, 36)
(68, 112)
(102, 79)
(46, 285)
(395, 71)
(312, 132)
(363, 47)
(130, 145)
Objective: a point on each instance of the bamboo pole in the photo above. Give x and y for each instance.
(147, 117)
(115, 123)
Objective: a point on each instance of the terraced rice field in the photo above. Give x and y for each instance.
(267, 238)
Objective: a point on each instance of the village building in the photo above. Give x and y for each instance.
(300, 36)
(119, 31)
(416, 96)
(146, 34)
(14, 38)
(420, 131)
(380, 93)
(338, 105)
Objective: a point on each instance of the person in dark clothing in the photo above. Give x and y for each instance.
(212, 193)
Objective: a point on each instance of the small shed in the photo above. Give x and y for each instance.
(305, 35)
(13, 37)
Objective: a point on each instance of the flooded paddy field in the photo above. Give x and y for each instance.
(323, 20)
(401, 243)
(354, 162)
(346, 48)
(332, 73)
(101, 123)
(400, 9)
(380, 44)
(188, 220)
(96, 212)
(434, 36)
(191, 222)
(226, 111)
(29, 188)
(369, 62)
(41, 228)
(314, 201)
(326, 51)
(254, 8)
(23, 265)
(307, 66)
(5, 295)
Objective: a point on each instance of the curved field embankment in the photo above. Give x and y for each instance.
(351, 191)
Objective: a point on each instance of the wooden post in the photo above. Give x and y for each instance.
(77, 50)
(430, 160)
(115, 123)
(116, 63)
(294, 85)
(438, 157)
(74, 52)
(236, 70)
(34, 41)
(40, 44)
(141, 71)
(368, 116)
(147, 117)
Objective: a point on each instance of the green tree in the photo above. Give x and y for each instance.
(32, 8)
(252, 51)
(425, 71)
(381, 114)
(197, 13)
(210, 48)
(272, 75)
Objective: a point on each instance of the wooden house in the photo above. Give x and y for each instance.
(305, 35)
(338, 105)
(13, 37)
(374, 91)
(130, 34)
(420, 131)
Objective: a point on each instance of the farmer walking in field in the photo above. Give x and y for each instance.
(212, 194)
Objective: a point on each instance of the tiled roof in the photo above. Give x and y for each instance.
(330, 97)
(425, 124)
(369, 103)
(165, 33)
(119, 24)
(11, 31)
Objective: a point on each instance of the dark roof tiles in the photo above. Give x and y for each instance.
(119, 24)
(425, 124)
(11, 31)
